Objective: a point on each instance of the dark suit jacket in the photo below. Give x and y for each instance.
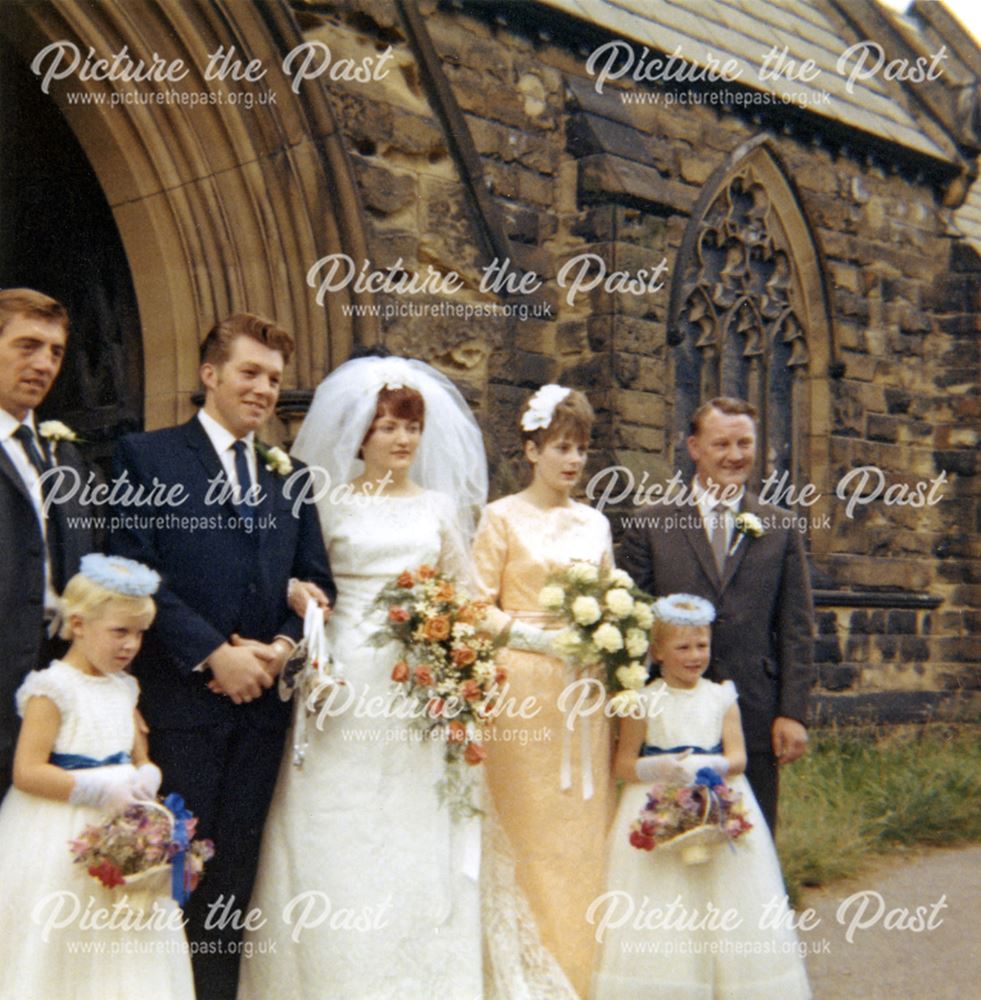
(22, 579)
(216, 579)
(762, 636)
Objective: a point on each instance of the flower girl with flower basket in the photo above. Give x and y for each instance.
(695, 905)
(79, 758)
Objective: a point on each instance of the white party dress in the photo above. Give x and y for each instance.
(62, 934)
(367, 888)
(715, 931)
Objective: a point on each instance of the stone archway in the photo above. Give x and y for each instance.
(219, 205)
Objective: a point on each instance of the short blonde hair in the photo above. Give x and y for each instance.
(90, 600)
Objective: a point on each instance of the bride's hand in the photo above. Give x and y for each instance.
(301, 592)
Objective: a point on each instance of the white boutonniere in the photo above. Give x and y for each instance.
(746, 524)
(55, 430)
(275, 459)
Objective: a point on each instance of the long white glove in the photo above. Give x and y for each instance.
(678, 768)
(693, 763)
(523, 635)
(110, 789)
(664, 767)
(148, 779)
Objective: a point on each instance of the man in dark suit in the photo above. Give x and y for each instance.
(759, 584)
(223, 631)
(42, 545)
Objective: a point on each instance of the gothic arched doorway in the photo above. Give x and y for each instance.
(220, 205)
(58, 235)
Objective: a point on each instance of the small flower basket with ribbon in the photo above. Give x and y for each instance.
(149, 850)
(693, 819)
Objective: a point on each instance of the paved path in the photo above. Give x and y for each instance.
(897, 964)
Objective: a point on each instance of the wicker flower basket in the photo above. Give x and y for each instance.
(143, 887)
(698, 844)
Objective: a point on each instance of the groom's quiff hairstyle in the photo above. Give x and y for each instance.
(729, 405)
(216, 348)
(26, 302)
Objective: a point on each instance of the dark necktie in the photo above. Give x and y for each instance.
(244, 481)
(28, 442)
(54, 525)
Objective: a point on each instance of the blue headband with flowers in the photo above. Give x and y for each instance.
(120, 575)
(684, 609)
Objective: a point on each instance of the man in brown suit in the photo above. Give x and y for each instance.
(759, 584)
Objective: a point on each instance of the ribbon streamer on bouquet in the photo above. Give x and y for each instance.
(467, 829)
(585, 755)
(178, 882)
(314, 678)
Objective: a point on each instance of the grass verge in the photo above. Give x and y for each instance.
(864, 792)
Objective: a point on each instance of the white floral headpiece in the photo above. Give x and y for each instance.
(124, 576)
(541, 407)
(684, 609)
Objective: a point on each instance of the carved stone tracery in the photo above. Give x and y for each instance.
(740, 309)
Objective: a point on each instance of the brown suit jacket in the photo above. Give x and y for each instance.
(762, 636)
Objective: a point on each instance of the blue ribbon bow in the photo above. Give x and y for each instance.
(178, 882)
(709, 777)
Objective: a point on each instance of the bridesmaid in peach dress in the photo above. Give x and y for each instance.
(550, 785)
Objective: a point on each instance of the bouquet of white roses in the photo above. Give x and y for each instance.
(607, 622)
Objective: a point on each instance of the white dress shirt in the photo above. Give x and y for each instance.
(711, 508)
(223, 442)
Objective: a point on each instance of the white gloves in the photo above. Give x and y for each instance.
(525, 636)
(147, 784)
(715, 761)
(112, 789)
(664, 767)
(679, 768)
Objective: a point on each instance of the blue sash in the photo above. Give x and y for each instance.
(78, 762)
(648, 751)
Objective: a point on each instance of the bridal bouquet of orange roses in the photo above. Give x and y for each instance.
(447, 668)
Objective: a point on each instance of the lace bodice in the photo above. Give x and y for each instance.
(682, 717)
(96, 712)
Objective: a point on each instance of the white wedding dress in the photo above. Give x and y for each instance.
(367, 888)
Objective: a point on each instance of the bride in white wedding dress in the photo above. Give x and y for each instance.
(367, 888)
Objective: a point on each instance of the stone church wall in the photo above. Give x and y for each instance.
(895, 583)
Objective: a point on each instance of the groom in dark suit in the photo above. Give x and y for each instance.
(226, 553)
(759, 584)
(41, 547)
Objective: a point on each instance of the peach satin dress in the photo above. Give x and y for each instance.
(556, 834)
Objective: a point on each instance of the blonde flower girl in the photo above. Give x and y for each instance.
(79, 757)
(720, 930)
